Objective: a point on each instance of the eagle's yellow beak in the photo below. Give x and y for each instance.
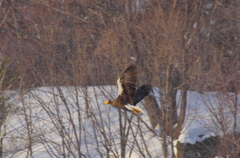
(106, 102)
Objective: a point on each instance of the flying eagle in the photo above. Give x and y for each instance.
(128, 95)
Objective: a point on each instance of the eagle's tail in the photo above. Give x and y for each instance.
(135, 109)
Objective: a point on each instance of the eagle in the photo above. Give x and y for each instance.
(128, 95)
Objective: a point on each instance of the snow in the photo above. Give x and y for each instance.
(203, 113)
(53, 114)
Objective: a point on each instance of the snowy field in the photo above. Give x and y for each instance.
(70, 121)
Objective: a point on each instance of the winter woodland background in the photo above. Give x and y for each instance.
(60, 59)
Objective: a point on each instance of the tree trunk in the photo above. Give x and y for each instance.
(180, 150)
(153, 110)
(122, 134)
(1, 124)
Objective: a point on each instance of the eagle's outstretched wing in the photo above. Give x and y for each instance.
(141, 92)
(127, 83)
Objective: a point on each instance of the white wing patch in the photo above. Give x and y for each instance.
(119, 85)
(134, 109)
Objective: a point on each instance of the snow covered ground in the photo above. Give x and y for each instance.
(57, 122)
